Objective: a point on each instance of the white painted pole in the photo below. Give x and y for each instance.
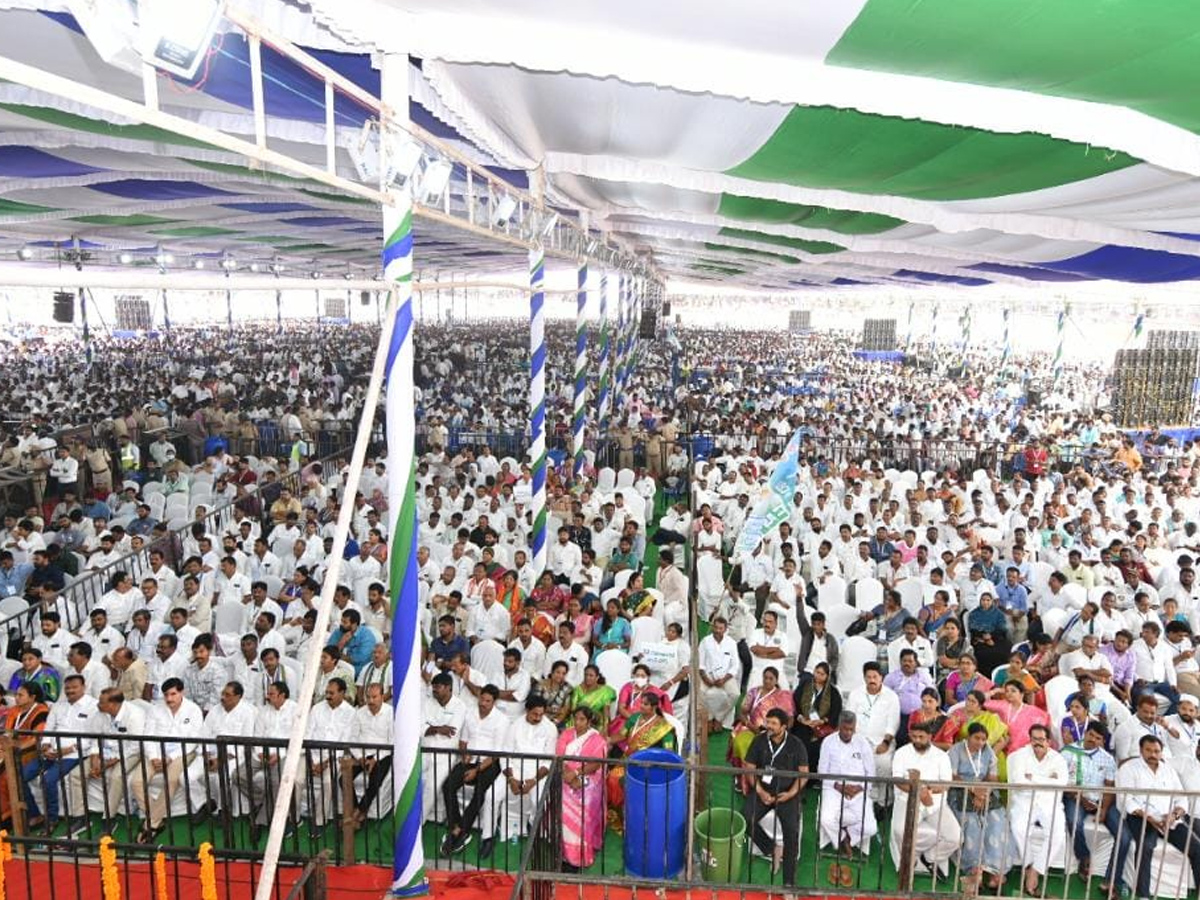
(295, 749)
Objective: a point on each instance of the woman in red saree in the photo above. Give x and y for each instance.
(583, 807)
(550, 600)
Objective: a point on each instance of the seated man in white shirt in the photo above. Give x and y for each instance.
(179, 723)
(373, 724)
(768, 647)
(331, 723)
(482, 741)
(566, 650)
(720, 675)
(523, 778)
(1159, 813)
(912, 639)
(234, 717)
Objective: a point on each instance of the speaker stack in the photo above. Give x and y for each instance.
(878, 334)
(1163, 339)
(799, 321)
(652, 313)
(1156, 385)
(335, 307)
(64, 306)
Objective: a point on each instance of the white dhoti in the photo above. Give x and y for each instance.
(435, 769)
(842, 817)
(205, 784)
(720, 703)
(938, 834)
(505, 814)
(883, 769)
(710, 583)
(316, 794)
(1039, 828)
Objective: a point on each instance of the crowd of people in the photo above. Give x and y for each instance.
(967, 585)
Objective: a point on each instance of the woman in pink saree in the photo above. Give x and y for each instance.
(1018, 715)
(583, 802)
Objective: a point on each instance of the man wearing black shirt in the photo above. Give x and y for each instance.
(781, 758)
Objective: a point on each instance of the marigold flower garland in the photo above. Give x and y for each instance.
(208, 873)
(110, 878)
(160, 876)
(6, 854)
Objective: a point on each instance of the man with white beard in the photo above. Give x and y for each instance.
(847, 816)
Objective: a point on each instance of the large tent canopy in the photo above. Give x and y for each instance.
(771, 144)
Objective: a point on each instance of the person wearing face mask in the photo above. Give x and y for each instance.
(629, 699)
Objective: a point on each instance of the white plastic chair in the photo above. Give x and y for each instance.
(912, 595)
(1058, 689)
(855, 651)
(621, 579)
(624, 479)
(228, 618)
(868, 593)
(839, 618)
(488, 658)
(646, 630)
(1075, 595)
(831, 593)
(616, 667)
(13, 606)
(606, 480)
(1054, 619)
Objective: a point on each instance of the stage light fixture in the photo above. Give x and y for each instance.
(198, 264)
(435, 181)
(176, 37)
(505, 208)
(125, 258)
(25, 253)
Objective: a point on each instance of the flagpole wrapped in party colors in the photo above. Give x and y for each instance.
(604, 379)
(408, 866)
(1007, 344)
(933, 336)
(1139, 323)
(537, 405)
(908, 342)
(1062, 335)
(579, 421)
(279, 312)
(166, 312)
(966, 335)
(619, 350)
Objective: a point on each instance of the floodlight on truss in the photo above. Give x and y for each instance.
(125, 258)
(228, 263)
(176, 37)
(111, 27)
(505, 207)
(435, 181)
(25, 253)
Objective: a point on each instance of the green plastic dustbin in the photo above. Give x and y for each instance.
(720, 844)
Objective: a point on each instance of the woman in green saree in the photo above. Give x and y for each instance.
(595, 695)
(971, 711)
